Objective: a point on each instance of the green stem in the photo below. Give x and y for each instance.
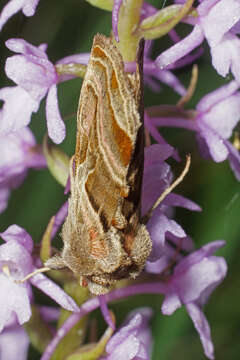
(129, 18)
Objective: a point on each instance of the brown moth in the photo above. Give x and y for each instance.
(104, 239)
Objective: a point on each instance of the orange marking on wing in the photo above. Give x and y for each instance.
(123, 142)
(98, 52)
(122, 139)
(114, 82)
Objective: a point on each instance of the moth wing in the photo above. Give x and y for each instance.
(109, 140)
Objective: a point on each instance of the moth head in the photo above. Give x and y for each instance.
(97, 288)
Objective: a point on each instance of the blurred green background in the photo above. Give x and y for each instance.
(68, 27)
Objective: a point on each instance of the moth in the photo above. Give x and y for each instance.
(104, 240)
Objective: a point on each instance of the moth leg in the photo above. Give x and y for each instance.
(56, 262)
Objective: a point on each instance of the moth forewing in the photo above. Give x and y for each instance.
(104, 240)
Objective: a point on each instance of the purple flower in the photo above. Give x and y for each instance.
(18, 154)
(157, 177)
(36, 77)
(191, 284)
(28, 7)
(15, 263)
(217, 114)
(153, 73)
(133, 340)
(14, 341)
(217, 21)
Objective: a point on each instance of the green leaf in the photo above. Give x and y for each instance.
(57, 161)
(75, 337)
(92, 351)
(129, 19)
(45, 250)
(38, 330)
(73, 69)
(102, 4)
(163, 21)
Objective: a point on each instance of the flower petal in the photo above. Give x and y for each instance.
(201, 325)
(54, 291)
(15, 232)
(170, 303)
(216, 96)
(11, 8)
(17, 258)
(21, 46)
(180, 49)
(225, 55)
(168, 78)
(156, 267)
(29, 7)
(157, 227)
(124, 333)
(157, 153)
(200, 279)
(215, 143)
(55, 124)
(133, 340)
(14, 299)
(14, 343)
(220, 19)
(156, 178)
(216, 116)
(32, 77)
(15, 149)
(234, 159)
(4, 195)
(17, 109)
(198, 255)
(81, 58)
(179, 200)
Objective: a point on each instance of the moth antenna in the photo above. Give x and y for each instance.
(38, 271)
(146, 217)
